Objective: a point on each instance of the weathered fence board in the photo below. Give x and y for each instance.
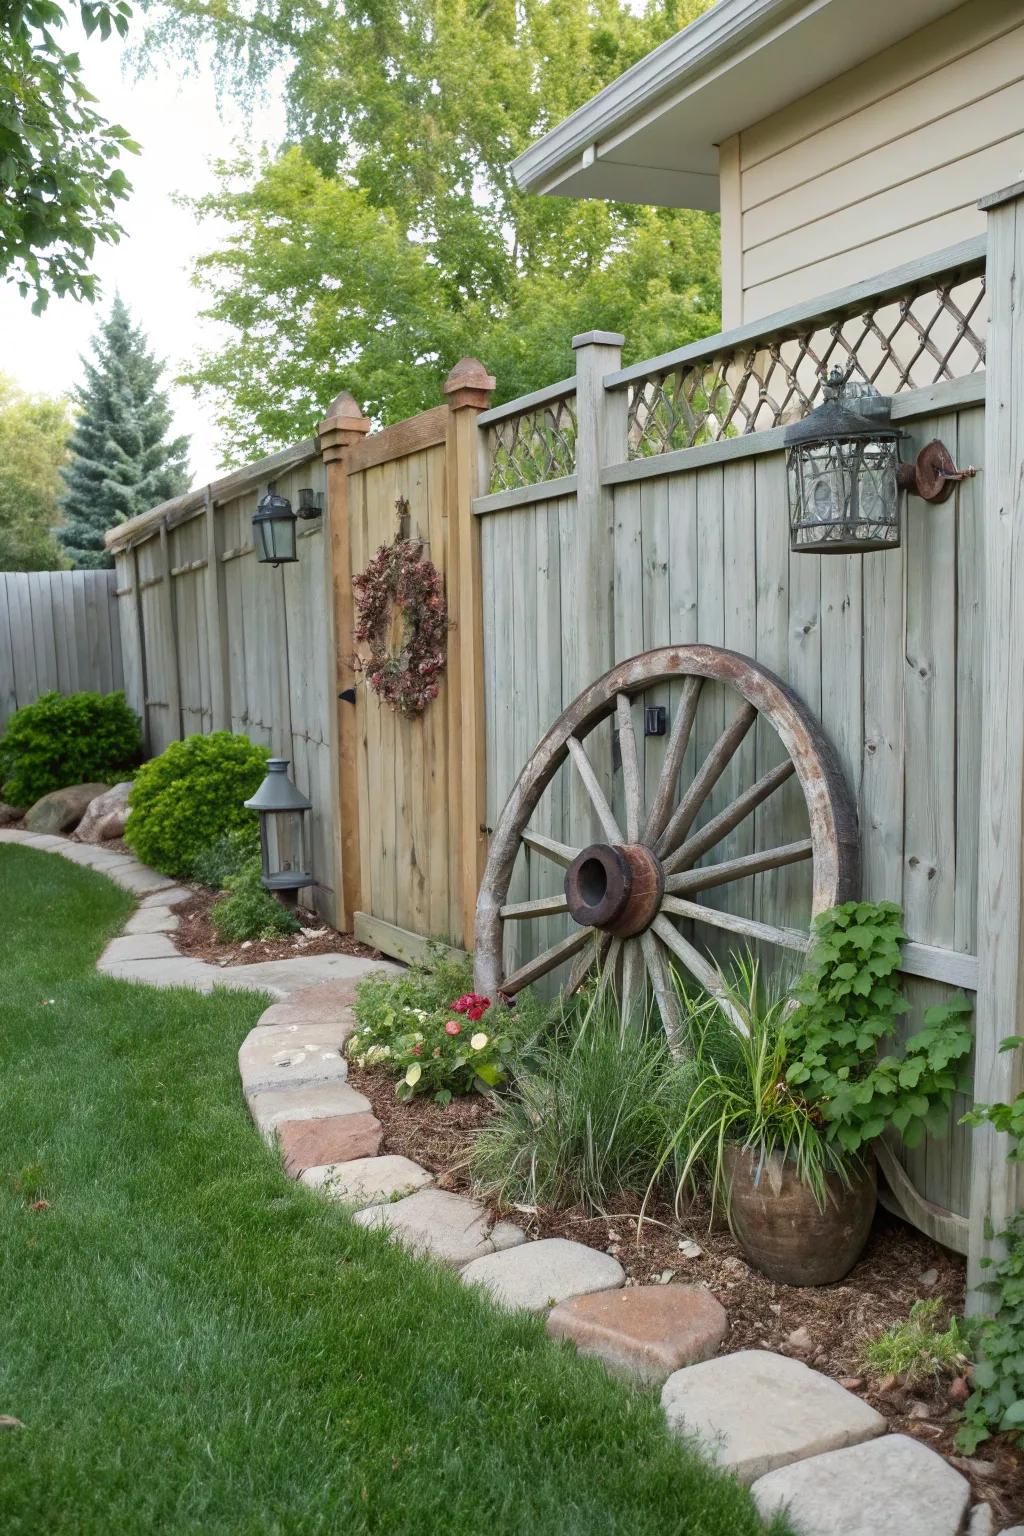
(59, 631)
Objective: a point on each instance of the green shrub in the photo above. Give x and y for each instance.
(434, 1033)
(919, 1349)
(78, 738)
(590, 1118)
(227, 855)
(247, 911)
(189, 796)
(997, 1402)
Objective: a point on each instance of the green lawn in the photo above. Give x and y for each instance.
(195, 1344)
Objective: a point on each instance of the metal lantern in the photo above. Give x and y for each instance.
(282, 811)
(311, 503)
(843, 461)
(273, 528)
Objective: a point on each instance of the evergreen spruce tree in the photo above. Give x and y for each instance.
(120, 461)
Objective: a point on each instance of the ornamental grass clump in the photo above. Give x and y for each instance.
(248, 911)
(589, 1118)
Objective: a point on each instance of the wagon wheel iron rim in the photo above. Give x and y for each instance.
(624, 891)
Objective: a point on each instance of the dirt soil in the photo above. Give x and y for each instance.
(196, 937)
(827, 1326)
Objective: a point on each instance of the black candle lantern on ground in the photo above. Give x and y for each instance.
(273, 527)
(282, 811)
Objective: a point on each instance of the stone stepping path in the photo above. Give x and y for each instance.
(141, 954)
(441, 1225)
(755, 1411)
(804, 1443)
(893, 1485)
(646, 1331)
(539, 1275)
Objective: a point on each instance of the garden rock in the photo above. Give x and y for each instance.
(62, 809)
(318, 1101)
(291, 1055)
(982, 1522)
(756, 1411)
(9, 813)
(894, 1486)
(540, 1275)
(106, 815)
(328, 1139)
(364, 1179)
(647, 1331)
(448, 1227)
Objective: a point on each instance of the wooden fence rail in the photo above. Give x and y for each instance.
(58, 631)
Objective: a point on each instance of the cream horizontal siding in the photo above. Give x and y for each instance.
(885, 163)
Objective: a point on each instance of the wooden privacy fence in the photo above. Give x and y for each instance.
(628, 509)
(58, 631)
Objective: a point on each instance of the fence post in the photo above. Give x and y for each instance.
(216, 627)
(468, 388)
(170, 613)
(588, 551)
(996, 1184)
(343, 426)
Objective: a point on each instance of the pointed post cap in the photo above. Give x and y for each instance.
(343, 425)
(470, 384)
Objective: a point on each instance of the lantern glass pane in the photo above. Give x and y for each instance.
(843, 495)
(286, 866)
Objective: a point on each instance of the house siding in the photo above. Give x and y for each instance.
(883, 164)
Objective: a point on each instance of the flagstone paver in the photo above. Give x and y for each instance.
(159, 919)
(894, 1486)
(328, 1139)
(138, 946)
(312, 1101)
(539, 1275)
(645, 1331)
(167, 896)
(755, 1411)
(290, 1056)
(367, 1179)
(449, 1227)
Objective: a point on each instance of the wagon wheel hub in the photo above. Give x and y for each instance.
(615, 888)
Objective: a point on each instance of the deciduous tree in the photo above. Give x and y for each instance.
(33, 446)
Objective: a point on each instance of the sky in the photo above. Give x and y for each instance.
(181, 127)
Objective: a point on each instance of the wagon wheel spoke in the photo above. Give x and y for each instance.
(542, 906)
(630, 767)
(708, 775)
(549, 960)
(584, 767)
(612, 968)
(558, 853)
(785, 938)
(738, 869)
(700, 968)
(634, 979)
(590, 956)
(678, 742)
(665, 994)
(721, 825)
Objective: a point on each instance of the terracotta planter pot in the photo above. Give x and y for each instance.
(782, 1232)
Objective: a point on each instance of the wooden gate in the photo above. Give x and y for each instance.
(411, 790)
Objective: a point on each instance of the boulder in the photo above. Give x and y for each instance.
(105, 816)
(9, 814)
(62, 809)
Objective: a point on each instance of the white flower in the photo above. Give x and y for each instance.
(479, 1041)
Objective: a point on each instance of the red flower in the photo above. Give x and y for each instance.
(453, 1027)
(417, 1050)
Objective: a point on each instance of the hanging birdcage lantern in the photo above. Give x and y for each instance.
(842, 462)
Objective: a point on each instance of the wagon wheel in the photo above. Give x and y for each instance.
(624, 893)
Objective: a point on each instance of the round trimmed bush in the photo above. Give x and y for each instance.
(77, 738)
(191, 795)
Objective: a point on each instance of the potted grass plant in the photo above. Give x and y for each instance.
(790, 1090)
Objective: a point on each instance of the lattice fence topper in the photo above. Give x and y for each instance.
(538, 445)
(898, 342)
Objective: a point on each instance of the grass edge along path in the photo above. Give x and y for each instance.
(196, 1344)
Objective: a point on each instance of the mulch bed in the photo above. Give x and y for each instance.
(197, 937)
(827, 1326)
